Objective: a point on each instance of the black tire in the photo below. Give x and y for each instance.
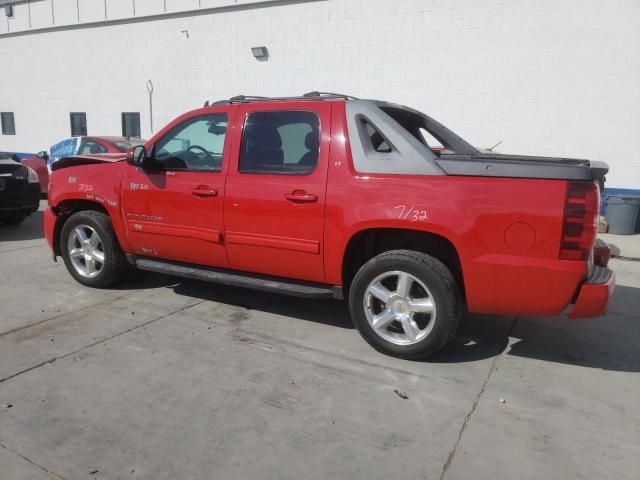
(444, 293)
(13, 220)
(115, 262)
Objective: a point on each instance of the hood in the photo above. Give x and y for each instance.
(88, 160)
(9, 166)
(10, 169)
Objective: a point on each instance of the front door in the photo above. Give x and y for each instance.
(173, 207)
(275, 194)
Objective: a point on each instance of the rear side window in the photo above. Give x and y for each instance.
(280, 143)
(91, 147)
(378, 142)
(124, 146)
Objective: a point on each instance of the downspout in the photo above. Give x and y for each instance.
(150, 90)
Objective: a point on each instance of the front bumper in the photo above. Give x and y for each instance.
(22, 199)
(594, 295)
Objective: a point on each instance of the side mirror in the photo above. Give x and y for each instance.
(136, 156)
(42, 155)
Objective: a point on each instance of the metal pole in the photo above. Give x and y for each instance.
(150, 90)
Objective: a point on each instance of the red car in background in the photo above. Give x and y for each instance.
(76, 146)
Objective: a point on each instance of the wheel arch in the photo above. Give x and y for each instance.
(65, 209)
(368, 243)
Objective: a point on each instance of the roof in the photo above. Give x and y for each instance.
(114, 138)
(319, 96)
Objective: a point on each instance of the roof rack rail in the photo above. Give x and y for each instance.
(247, 98)
(237, 99)
(306, 96)
(316, 94)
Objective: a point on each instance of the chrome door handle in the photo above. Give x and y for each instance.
(204, 192)
(300, 196)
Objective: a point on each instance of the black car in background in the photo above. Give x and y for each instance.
(19, 191)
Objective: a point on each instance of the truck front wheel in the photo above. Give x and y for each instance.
(91, 251)
(405, 304)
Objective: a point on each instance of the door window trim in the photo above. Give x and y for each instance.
(280, 174)
(225, 145)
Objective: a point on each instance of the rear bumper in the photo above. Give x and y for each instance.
(594, 295)
(513, 285)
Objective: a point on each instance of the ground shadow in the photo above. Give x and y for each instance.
(30, 229)
(329, 312)
(141, 280)
(611, 342)
(478, 337)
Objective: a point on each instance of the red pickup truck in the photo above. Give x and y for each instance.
(326, 195)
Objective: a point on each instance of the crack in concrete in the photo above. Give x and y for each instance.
(476, 402)
(98, 342)
(18, 249)
(45, 320)
(626, 259)
(54, 475)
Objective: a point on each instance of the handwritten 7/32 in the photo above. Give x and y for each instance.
(411, 213)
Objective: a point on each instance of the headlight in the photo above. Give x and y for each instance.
(33, 176)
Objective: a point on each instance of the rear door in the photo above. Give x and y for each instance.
(173, 209)
(275, 194)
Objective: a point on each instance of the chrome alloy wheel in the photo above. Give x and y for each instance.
(85, 251)
(399, 308)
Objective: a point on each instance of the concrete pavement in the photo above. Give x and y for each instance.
(163, 378)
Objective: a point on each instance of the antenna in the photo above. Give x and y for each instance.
(491, 149)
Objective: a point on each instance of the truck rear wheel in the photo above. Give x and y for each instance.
(405, 304)
(91, 251)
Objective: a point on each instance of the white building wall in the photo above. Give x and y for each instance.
(40, 14)
(548, 77)
(90, 10)
(65, 12)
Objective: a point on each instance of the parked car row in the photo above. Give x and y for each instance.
(19, 191)
(42, 161)
(24, 177)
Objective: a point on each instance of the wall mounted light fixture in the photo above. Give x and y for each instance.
(260, 53)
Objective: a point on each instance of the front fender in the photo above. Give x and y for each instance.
(89, 187)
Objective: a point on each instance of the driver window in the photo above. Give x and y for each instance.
(196, 144)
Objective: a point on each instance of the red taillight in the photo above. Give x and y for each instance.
(579, 227)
